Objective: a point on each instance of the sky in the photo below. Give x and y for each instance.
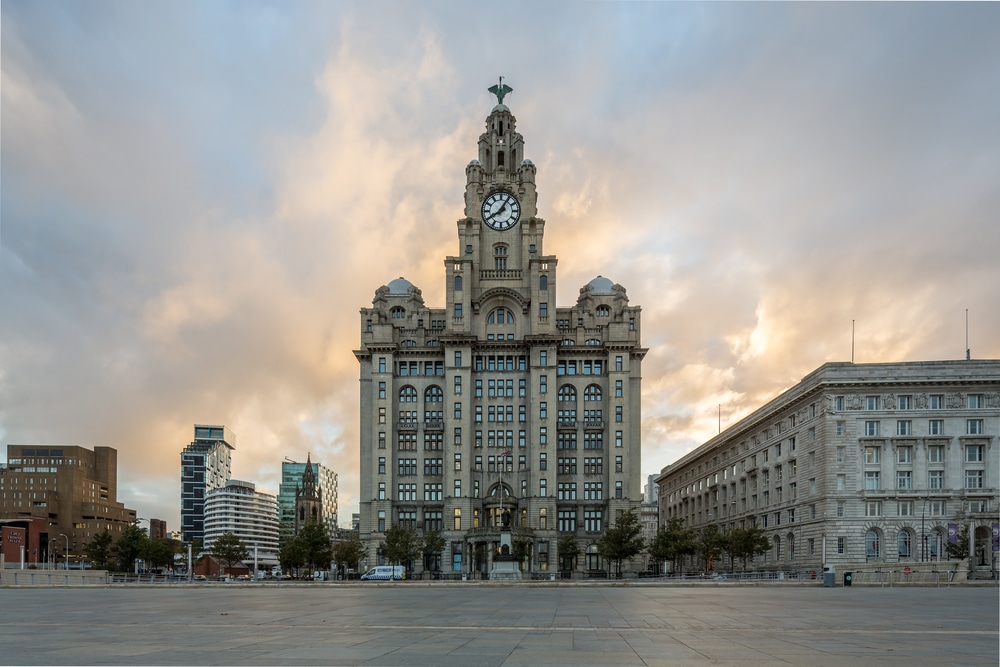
(196, 199)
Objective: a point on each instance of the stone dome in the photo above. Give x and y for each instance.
(475, 163)
(601, 285)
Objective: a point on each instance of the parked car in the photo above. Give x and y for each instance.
(200, 577)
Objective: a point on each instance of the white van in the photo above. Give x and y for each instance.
(384, 573)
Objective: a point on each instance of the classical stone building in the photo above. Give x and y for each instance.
(74, 489)
(499, 400)
(857, 465)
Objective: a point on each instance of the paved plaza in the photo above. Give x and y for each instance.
(442, 625)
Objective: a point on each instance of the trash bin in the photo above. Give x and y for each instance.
(848, 576)
(829, 576)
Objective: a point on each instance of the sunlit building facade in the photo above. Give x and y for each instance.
(857, 465)
(252, 516)
(499, 401)
(291, 480)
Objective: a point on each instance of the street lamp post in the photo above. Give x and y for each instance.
(51, 558)
(66, 555)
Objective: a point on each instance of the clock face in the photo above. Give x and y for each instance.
(501, 211)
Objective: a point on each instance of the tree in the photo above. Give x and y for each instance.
(708, 545)
(129, 546)
(569, 551)
(161, 552)
(623, 541)
(672, 542)
(100, 550)
(521, 549)
(434, 544)
(960, 549)
(229, 550)
(401, 545)
(291, 555)
(348, 553)
(746, 543)
(315, 543)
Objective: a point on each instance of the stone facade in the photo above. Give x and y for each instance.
(857, 464)
(499, 400)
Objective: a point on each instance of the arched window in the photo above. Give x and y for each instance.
(567, 394)
(458, 283)
(500, 316)
(407, 394)
(777, 548)
(592, 341)
(592, 393)
(408, 343)
(398, 313)
(433, 394)
(568, 341)
(543, 283)
(603, 311)
(873, 544)
(905, 542)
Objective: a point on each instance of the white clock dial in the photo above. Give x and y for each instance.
(501, 211)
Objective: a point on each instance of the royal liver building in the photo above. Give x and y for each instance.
(500, 401)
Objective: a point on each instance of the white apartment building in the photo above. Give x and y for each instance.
(252, 516)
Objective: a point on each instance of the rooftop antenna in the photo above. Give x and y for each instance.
(968, 352)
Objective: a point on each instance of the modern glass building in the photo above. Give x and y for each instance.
(205, 465)
(291, 477)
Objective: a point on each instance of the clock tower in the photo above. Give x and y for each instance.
(499, 409)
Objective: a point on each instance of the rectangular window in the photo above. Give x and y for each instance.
(935, 427)
(935, 454)
(936, 508)
(904, 427)
(871, 402)
(841, 454)
(904, 508)
(543, 488)
(873, 508)
(618, 439)
(618, 389)
(381, 390)
(974, 426)
(543, 410)
(841, 427)
(619, 414)
(841, 545)
(974, 401)
(935, 480)
(873, 454)
(543, 386)
(872, 480)
(871, 428)
(543, 463)
(904, 454)
(838, 403)
(936, 401)
(543, 358)
(840, 509)
(619, 363)
(458, 358)
(973, 479)
(903, 402)
(904, 480)
(543, 310)
(381, 440)
(973, 453)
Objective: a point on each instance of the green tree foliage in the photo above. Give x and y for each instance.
(161, 552)
(672, 542)
(291, 555)
(229, 550)
(316, 547)
(401, 545)
(348, 553)
(745, 543)
(100, 550)
(569, 551)
(623, 541)
(130, 546)
(521, 549)
(959, 550)
(434, 544)
(709, 544)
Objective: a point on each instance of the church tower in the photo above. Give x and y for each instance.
(308, 498)
(479, 409)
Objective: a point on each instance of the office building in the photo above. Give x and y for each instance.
(73, 488)
(205, 465)
(857, 465)
(500, 401)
